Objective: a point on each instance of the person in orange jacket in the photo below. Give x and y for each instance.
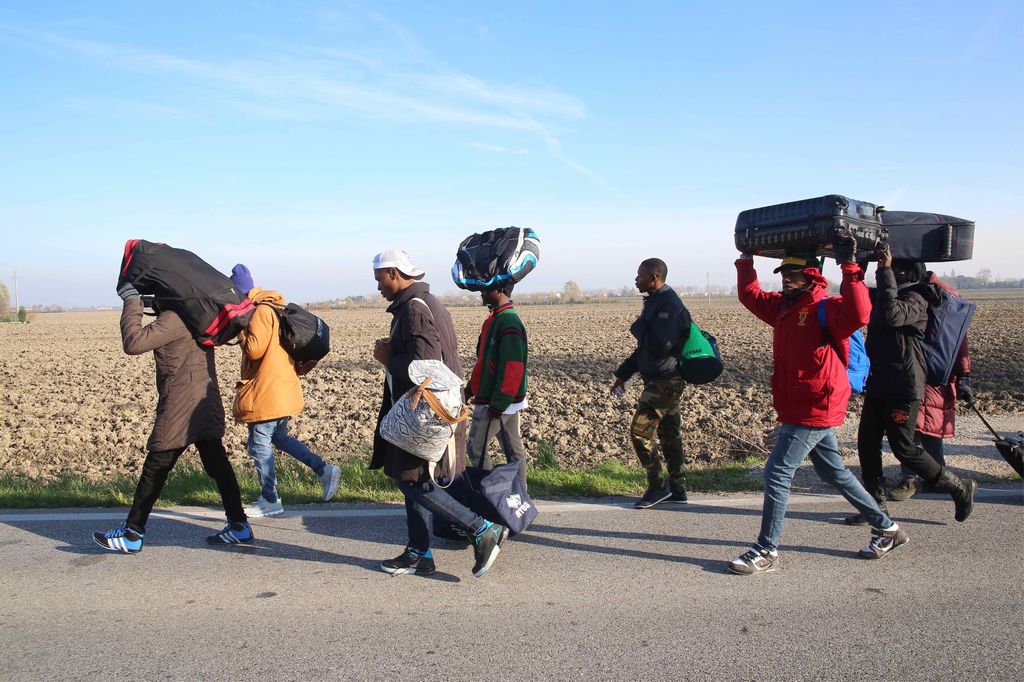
(268, 395)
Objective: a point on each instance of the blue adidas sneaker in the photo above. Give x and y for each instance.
(233, 534)
(122, 539)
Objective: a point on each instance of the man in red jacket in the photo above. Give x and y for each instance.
(810, 391)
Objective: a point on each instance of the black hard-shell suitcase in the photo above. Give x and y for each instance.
(928, 237)
(808, 226)
(205, 299)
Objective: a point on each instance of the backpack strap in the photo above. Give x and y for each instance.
(827, 337)
(425, 305)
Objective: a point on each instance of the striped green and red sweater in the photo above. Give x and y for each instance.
(499, 376)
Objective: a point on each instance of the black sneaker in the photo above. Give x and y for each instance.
(754, 560)
(884, 541)
(410, 561)
(678, 497)
(486, 546)
(652, 497)
(906, 489)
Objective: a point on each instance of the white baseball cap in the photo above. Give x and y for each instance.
(399, 260)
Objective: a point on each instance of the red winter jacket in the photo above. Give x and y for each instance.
(809, 384)
(937, 416)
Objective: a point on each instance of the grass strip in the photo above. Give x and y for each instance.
(188, 485)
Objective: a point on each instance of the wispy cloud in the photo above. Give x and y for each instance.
(498, 149)
(404, 82)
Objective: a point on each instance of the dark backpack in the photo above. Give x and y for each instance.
(857, 363)
(304, 336)
(944, 334)
(206, 300)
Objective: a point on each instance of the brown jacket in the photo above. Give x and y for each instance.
(188, 407)
(269, 388)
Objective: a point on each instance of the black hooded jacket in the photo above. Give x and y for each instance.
(660, 331)
(899, 316)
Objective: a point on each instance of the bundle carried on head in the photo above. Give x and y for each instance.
(496, 258)
(209, 304)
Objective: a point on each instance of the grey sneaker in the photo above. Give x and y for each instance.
(884, 541)
(754, 560)
(261, 508)
(652, 497)
(330, 480)
(906, 489)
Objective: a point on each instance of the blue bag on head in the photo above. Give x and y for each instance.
(495, 258)
(857, 364)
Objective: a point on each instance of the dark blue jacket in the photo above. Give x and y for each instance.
(660, 332)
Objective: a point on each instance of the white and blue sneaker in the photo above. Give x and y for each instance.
(233, 534)
(122, 539)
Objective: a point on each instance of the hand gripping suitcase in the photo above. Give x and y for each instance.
(928, 237)
(808, 226)
(205, 299)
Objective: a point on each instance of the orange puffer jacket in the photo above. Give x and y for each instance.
(269, 388)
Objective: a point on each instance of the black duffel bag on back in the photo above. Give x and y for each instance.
(928, 237)
(304, 336)
(496, 257)
(205, 299)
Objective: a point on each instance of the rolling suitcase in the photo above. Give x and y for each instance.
(928, 237)
(205, 299)
(808, 226)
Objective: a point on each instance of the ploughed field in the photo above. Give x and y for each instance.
(72, 401)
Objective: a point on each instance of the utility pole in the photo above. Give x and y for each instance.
(17, 301)
(707, 284)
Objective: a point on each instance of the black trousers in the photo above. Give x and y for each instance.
(159, 464)
(896, 420)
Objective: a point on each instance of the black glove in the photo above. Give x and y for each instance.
(126, 291)
(964, 390)
(845, 248)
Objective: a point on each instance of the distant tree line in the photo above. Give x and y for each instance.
(7, 313)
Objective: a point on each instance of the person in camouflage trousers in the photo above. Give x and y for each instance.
(660, 331)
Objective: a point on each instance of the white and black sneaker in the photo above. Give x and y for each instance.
(884, 541)
(754, 560)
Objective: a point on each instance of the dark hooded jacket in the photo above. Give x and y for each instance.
(420, 330)
(660, 332)
(895, 338)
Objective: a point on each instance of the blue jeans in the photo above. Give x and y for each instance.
(263, 438)
(424, 499)
(794, 444)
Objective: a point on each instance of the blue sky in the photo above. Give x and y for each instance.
(301, 138)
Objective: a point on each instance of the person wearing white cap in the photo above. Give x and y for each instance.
(421, 329)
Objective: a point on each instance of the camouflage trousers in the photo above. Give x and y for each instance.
(657, 412)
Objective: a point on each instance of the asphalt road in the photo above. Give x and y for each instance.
(594, 591)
